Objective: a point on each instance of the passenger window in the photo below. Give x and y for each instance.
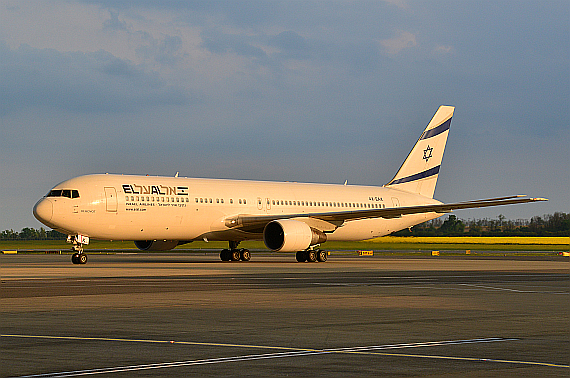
(222, 200)
(240, 201)
(231, 200)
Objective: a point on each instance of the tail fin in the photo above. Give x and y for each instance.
(418, 174)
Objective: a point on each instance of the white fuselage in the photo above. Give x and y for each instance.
(123, 207)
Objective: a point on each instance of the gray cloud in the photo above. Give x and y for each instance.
(218, 43)
(83, 82)
(114, 23)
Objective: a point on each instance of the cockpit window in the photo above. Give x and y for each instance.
(69, 193)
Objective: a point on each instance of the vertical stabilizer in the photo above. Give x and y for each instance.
(418, 174)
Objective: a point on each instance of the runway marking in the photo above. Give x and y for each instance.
(291, 352)
(151, 341)
(514, 290)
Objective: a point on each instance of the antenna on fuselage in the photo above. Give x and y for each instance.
(176, 175)
(345, 182)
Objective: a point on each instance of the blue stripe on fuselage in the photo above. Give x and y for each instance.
(437, 130)
(430, 172)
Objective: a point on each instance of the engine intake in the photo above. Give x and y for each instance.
(289, 235)
(156, 245)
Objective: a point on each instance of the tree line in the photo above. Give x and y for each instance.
(32, 234)
(557, 224)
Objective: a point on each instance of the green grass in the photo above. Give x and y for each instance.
(384, 243)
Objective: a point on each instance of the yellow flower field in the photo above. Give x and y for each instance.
(518, 240)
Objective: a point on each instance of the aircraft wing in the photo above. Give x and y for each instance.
(337, 218)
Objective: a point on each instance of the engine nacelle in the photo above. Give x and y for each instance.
(289, 235)
(156, 245)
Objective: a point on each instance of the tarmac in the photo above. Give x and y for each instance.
(192, 315)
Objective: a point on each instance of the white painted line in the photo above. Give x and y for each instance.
(514, 290)
(292, 352)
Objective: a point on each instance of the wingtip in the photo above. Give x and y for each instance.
(539, 199)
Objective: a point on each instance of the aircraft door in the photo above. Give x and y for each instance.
(395, 202)
(111, 199)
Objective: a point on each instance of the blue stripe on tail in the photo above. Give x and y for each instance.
(437, 130)
(430, 172)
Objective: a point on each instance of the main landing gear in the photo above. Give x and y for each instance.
(311, 255)
(235, 254)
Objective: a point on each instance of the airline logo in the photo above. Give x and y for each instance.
(155, 189)
(427, 153)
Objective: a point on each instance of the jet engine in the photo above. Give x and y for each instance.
(156, 245)
(289, 235)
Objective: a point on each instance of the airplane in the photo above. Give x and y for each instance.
(159, 213)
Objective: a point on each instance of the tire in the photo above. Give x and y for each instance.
(301, 256)
(321, 255)
(225, 255)
(244, 254)
(75, 258)
(235, 255)
(311, 256)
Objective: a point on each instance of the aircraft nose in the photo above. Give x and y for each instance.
(43, 211)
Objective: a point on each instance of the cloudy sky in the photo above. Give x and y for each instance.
(313, 91)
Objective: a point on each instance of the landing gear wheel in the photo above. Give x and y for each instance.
(225, 255)
(311, 256)
(244, 254)
(321, 255)
(79, 258)
(301, 256)
(235, 255)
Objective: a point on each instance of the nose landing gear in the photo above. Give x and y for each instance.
(78, 257)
